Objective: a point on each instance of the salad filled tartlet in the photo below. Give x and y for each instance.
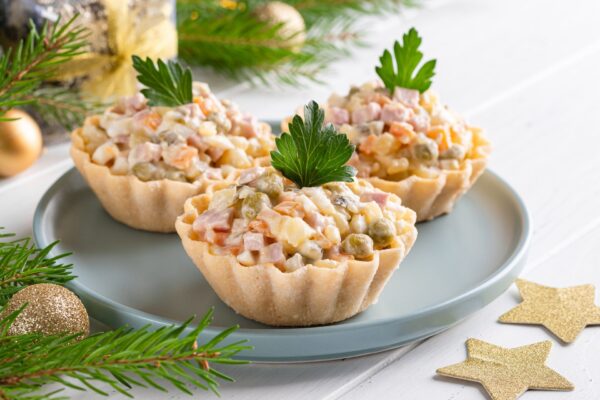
(147, 154)
(302, 244)
(407, 141)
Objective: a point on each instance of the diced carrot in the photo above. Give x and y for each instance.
(152, 120)
(403, 131)
(204, 103)
(259, 226)
(367, 145)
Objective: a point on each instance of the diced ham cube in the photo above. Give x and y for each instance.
(409, 97)
(145, 152)
(395, 112)
(420, 121)
(337, 115)
(376, 196)
(272, 253)
(213, 220)
(367, 113)
(253, 241)
(247, 126)
(130, 104)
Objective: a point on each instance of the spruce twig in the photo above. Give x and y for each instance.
(23, 264)
(36, 59)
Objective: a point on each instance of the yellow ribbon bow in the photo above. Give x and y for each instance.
(147, 32)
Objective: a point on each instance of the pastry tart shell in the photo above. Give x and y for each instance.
(150, 206)
(432, 197)
(308, 296)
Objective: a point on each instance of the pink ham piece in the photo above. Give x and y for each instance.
(254, 241)
(145, 152)
(337, 116)
(395, 112)
(367, 113)
(197, 142)
(248, 126)
(378, 197)
(213, 220)
(273, 253)
(410, 97)
(250, 174)
(130, 105)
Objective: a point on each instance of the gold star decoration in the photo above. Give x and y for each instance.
(564, 312)
(507, 373)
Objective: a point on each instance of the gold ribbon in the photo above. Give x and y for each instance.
(129, 32)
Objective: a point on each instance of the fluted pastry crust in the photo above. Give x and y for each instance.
(432, 197)
(149, 206)
(308, 296)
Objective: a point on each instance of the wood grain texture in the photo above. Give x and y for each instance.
(528, 73)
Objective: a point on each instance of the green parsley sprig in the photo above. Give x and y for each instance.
(312, 154)
(167, 84)
(408, 58)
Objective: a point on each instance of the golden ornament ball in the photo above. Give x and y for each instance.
(51, 310)
(20, 143)
(293, 27)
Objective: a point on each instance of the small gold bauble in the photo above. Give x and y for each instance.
(293, 28)
(20, 143)
(50, 310)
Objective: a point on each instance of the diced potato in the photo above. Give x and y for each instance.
(295, 231)
(246, 258)
(105, 153)
(372, 212)
(293, 263)
(235, 157)
(223, 199)
(332, 234)
(311, 250)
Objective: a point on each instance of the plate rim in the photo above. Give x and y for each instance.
(518, 254)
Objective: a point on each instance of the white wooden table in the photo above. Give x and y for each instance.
(528, 72)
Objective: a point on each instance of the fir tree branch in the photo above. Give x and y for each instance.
(233, 42)
(35, 59)
(22, 264)
(62, 105)
(118, 359)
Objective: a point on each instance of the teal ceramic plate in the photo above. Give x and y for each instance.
(459, 264)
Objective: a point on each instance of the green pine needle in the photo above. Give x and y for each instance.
(312, 154)
(23, 264)
(117, 360)
(35, 59)
(408, 58)
(167, 84)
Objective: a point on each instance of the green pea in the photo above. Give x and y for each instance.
(382, 232)
(359, 245)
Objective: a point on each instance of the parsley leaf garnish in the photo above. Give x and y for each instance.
(166, 84)
(312, 154)
(408, 58)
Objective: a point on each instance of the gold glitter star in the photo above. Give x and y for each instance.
(564, 312)
(507, 373)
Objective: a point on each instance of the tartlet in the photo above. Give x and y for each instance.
(286, 256)
(143, 162)
(410, 144)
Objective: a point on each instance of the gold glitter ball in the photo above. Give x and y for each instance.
(507, 373)
(564, 312)
(51, 309)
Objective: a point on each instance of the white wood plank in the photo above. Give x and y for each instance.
(413, 376)
(483, 47)
(560, 184)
